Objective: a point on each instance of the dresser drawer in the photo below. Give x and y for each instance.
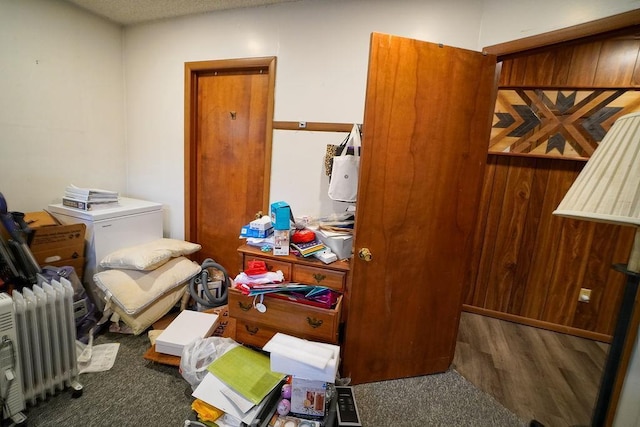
(285, 316)
(272, 265)
(319, 276)
(252, 333)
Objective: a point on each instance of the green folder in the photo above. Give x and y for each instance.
(247, 372)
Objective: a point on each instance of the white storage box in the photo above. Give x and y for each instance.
(187, 327)
(302, 358)
(339, 243)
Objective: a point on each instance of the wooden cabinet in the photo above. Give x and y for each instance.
(301, 320)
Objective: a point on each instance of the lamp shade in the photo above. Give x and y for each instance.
(608, 188)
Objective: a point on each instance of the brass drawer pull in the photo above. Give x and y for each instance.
(244, 307)
(319, 277)
(314, 323)
(251, 331)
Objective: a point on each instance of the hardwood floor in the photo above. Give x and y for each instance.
(535, 373)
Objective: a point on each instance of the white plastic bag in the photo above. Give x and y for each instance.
(199, 354)
(343, 185)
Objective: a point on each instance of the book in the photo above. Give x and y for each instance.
(308, 248)
(88, 205)
(89, 194)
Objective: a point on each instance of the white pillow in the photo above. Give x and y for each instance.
(143, 320)
(133, 290)
(148, 256)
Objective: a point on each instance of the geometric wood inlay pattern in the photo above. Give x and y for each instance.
(557, 123)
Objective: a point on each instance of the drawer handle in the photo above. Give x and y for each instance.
(319, 277)
(244, 307)
(251, 331)
(314, 323)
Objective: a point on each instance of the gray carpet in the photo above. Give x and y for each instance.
(137, 392)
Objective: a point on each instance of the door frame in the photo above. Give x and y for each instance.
(192, 70)
(605, 27)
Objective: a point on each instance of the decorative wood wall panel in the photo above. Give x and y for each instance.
(558, 123)
(529, 265)
(533, 264)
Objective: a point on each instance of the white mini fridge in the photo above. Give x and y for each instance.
(130, 223)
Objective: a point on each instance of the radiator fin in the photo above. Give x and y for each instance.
(47, 338)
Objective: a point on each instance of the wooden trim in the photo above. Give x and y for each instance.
(538, 156)
(192, 71)
(599, 26)
(313, 126)
(269, 135)
(190, 97)
(538, 323)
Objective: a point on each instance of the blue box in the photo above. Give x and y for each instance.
(280, 215)
(247, 231)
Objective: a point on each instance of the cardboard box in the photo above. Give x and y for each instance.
(281, 215)
(281, 242)
(55, 244)
(308, 398)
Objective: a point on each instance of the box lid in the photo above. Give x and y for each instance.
(125, 206)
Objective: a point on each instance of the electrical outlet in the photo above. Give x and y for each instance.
(585, 295)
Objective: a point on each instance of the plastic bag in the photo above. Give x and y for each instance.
(198, 355)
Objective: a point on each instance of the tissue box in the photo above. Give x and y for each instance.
(247, 231)
(280, 215)
(261, 224)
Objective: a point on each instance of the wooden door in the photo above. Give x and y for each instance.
(228, 126)
(425, 137)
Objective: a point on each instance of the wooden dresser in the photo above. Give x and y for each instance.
(304, 321)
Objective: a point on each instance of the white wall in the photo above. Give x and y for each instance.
(61, 102)
(322, 53)
(64, 106)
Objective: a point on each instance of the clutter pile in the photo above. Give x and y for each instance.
(292, 385)
(328, 239)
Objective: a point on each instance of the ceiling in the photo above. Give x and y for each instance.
(127, 12)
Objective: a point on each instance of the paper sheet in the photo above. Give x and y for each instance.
(247, 372)
(103, 357)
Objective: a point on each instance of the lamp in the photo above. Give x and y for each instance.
(608, 190)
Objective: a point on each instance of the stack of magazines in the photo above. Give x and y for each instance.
(89, 198)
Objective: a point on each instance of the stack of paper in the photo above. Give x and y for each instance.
(89, 198)
(187, 327)
(241, 384)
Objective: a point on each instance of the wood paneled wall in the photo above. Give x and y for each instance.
(610, 62)
(529, 265)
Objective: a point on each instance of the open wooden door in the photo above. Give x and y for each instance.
(426, 129)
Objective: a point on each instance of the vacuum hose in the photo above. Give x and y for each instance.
(203, 280)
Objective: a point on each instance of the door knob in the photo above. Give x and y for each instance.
(365, 254)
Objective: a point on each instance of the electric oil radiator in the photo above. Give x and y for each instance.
(41, 321)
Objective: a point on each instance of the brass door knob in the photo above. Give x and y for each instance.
(365, 254)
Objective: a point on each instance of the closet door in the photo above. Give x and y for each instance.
(228, 116)
(426, 129)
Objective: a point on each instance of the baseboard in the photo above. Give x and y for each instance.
(538, 323)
